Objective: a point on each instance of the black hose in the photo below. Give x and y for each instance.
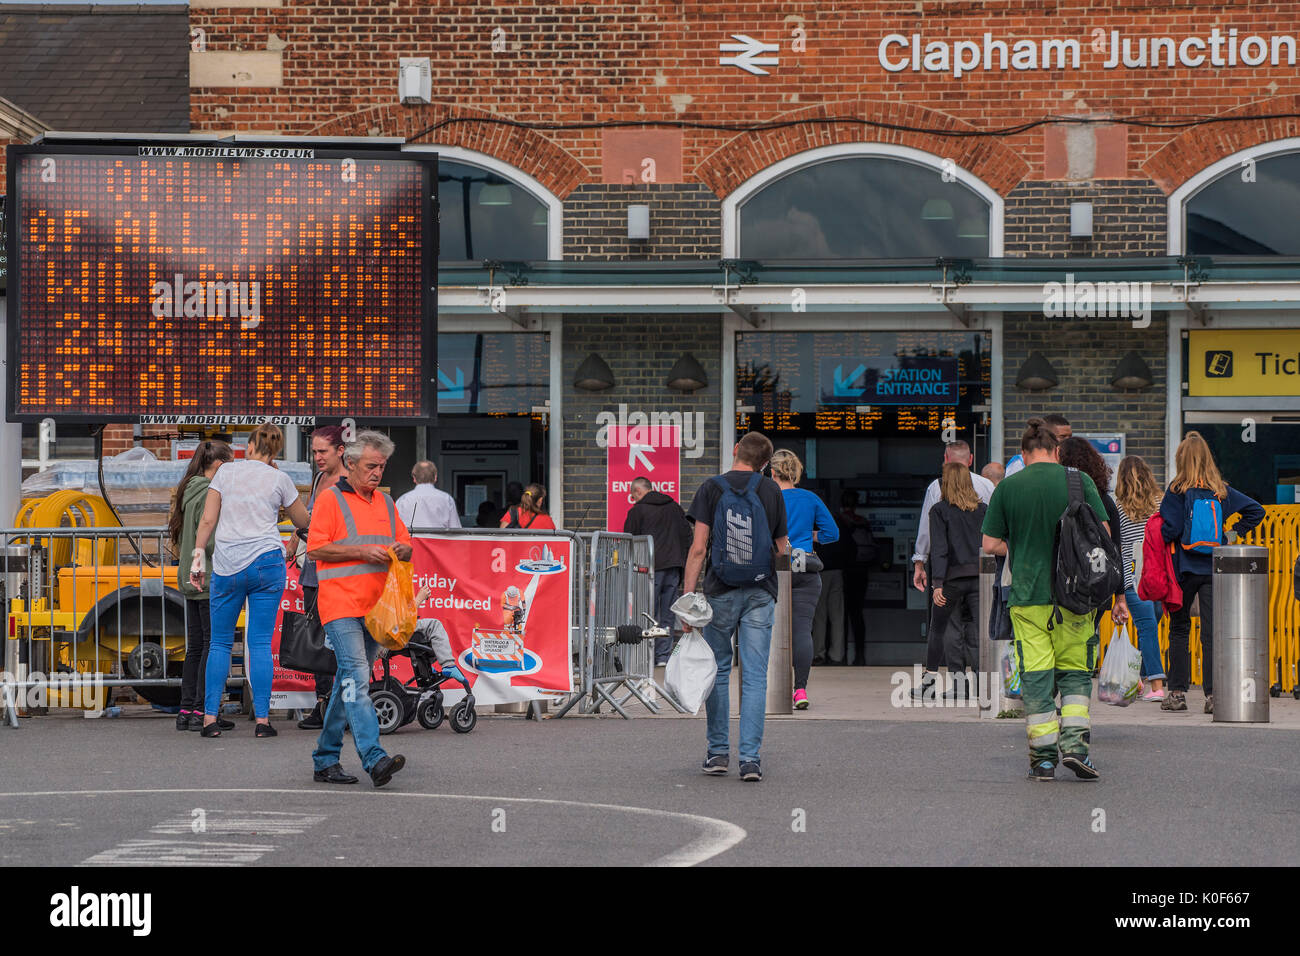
(103, 493)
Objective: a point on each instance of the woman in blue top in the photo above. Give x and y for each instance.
(805, 516)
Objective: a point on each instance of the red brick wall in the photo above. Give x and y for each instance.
(628, 61)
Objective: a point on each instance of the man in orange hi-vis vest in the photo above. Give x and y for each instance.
(352, 527)
(513, 609)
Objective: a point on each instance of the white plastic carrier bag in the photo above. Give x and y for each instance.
(691, 671)
(1120, 681)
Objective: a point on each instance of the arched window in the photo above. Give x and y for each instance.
(489, 215)
(886, 203)
(1247, 205)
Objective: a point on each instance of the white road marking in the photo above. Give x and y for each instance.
(179, 853)
(252, 822)
(715, 837)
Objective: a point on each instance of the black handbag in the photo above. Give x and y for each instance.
(302, 644)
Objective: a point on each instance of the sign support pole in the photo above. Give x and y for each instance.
(11, 439)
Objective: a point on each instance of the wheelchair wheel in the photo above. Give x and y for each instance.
(463, 718)
(389, 709)
(430, 713)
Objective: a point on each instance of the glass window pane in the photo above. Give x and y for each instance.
(1234, 217)
(864, 208)
(504, 221)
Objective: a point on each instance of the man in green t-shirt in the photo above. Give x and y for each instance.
(1053, 654)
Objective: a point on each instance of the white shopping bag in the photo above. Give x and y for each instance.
(691, 671)
(1120, 682)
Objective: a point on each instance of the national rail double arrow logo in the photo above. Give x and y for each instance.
(748, 49)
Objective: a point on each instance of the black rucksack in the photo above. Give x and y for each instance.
(1086, 564)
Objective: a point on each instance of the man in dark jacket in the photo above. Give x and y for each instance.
(662, 518)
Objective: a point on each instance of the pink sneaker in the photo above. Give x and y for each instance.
(800, 700)
(1154, 695)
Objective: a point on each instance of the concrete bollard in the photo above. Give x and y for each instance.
(989, 678)
(1241, 672)
(780, 659)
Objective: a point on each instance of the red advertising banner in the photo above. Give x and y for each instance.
(505, 605)
(652, 452)
(289, 689)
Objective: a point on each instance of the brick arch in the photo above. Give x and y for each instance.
(1201, 146)
(525, 149)
(747, 154)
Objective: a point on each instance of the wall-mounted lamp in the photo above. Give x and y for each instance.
(593, 375)
(687, 375)
(638, 223)
(414, 80)
(1080, 220)
(1036, 374)
(1132, 374)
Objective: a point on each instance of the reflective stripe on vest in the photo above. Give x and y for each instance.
(350, 569)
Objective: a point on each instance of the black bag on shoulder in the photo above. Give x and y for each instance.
(302, 644)
(1086, 568)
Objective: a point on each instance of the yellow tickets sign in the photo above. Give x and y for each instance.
(1244, 362)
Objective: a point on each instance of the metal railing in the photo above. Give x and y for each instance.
(620, 605)
(88, 609)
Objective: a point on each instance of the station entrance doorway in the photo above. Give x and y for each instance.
(868, 412)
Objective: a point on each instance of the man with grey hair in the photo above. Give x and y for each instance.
(353, 526)
(425, 506)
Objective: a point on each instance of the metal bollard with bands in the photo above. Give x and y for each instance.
(1241, 672)
(989, 678)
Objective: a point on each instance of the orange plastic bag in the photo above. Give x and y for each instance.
(391, 622)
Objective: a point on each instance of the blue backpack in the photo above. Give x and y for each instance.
(740, 539)
(1203, 527)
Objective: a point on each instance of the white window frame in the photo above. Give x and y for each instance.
(1176, 227)
(823, 154)
(554, 207)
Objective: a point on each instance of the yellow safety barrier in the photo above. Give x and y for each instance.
(1280, 533)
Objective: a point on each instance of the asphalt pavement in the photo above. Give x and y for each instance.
(595, 791)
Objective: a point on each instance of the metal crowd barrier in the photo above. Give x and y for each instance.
(1279, 532)
(88, 609)
(620, 595)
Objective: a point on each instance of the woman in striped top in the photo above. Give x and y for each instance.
(1139, 498)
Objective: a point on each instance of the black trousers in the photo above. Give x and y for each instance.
(668, 587)
(855, 594)
(1180, 630)
(805, 589)
(198, 635)
(324, 682)
(961, 642)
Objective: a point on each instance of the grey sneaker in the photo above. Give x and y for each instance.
(1174, 700)
(750, 772)
(1082, 766)
(1043, 770)
(716, 764)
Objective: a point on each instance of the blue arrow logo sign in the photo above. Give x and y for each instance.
(452, 391)
(843, 386)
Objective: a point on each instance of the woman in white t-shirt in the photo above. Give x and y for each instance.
(243, 505)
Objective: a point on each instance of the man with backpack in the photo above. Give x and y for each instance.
(1051, 523)
(739, 524)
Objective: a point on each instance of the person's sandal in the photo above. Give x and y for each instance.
(210, 730)
(265, 730)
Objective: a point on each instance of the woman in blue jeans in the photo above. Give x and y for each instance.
(243, 506)
(1138, 497)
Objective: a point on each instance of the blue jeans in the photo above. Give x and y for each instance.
(748, 613)
(1146, 618)
(350, 704)
(262, 585)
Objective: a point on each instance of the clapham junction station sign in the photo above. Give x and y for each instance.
(1109, 49)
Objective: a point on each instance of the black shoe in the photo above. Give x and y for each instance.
(1043, 770)
(195, 722)
(183, 721)
(333, 774)
(383, 771)
(750, 772)
(1082, 766)
(313, 721)
(926, 690)
(210, 730)
(265, 730)
(225, 724)
(716, 764)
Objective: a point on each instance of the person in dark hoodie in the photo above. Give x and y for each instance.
(657, 515)
(187, 509)
(1193, 511)
(955, 538)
